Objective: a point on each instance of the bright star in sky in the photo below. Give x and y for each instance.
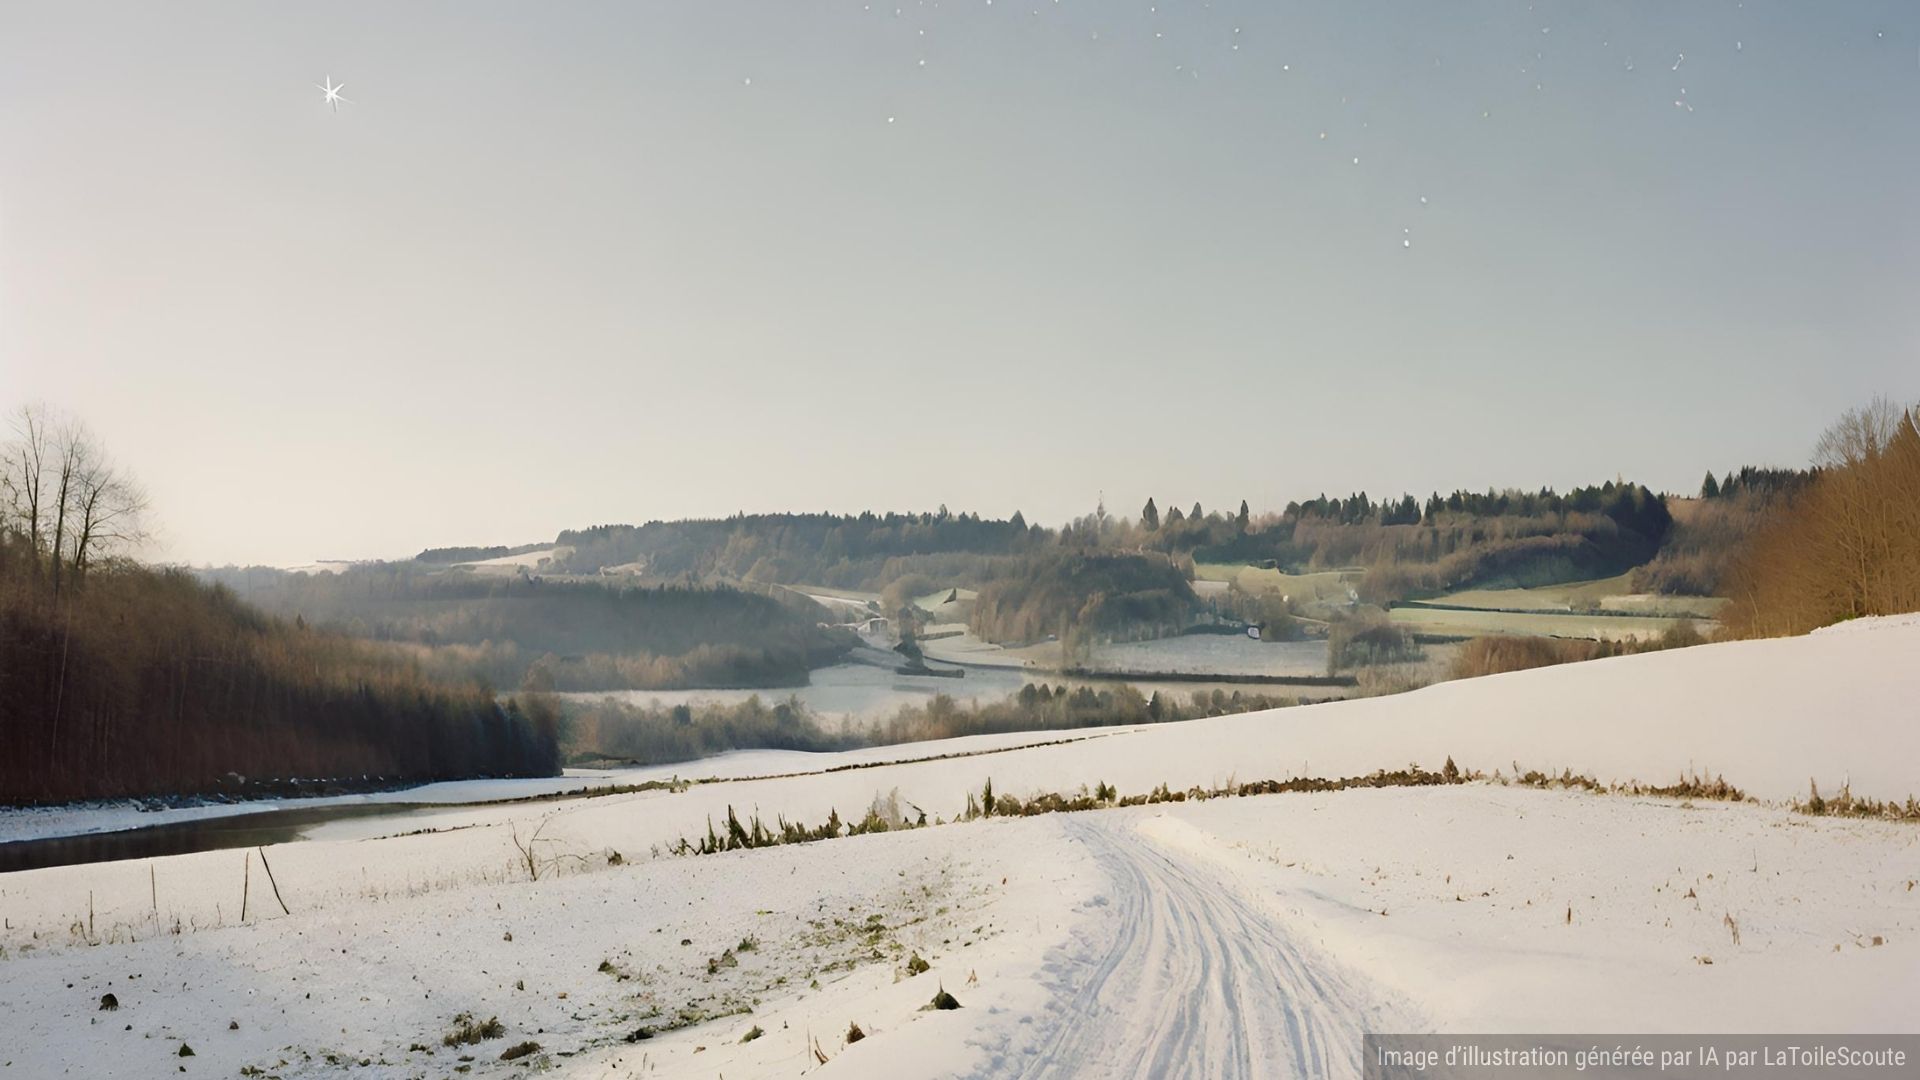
(333, 94)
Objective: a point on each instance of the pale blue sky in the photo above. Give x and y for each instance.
(565, 264)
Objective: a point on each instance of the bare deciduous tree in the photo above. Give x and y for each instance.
(1847, 546)
(24, 479)
(71, 447)
(1859, 434)
(65, 495)
(107, 505)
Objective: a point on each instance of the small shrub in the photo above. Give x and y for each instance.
(1847, 804)
(466, 1030)
(1499, 654)
(753, 1033)
(1681, 635)
(515, 1053)
(917, 965)
(854, 1034)
(1367, 640)
(1382, 680)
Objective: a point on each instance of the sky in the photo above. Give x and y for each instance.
(550, 266)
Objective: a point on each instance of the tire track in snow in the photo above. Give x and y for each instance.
(1186, 978)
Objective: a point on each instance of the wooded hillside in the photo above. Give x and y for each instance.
(569, 635)
(118, 679)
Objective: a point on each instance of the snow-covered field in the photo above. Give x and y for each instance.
(853, 691)
(860, 693)
(1217, 654)
(1234, 937)
(325, 566)
(1225, 654)
(513, 564)
(81, 819)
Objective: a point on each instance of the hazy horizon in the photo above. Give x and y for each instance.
(551, 268)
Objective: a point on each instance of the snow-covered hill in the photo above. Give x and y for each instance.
(1234, 937)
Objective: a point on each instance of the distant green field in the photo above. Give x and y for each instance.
(1610, 594)
(1476, 623)
(1648, 615)
(1324, 585)
(841, 594)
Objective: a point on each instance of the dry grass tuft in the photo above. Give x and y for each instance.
(466, 1030)
(1846, 804)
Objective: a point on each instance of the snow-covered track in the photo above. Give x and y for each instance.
(1185, 977)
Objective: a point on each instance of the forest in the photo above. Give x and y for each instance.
(118, 679)
(1716, 527)
(1076, 596)
(1411, 550)
(605, 731)
(1843, 544)
(1077, 581)
(561, 634)
(862, 551)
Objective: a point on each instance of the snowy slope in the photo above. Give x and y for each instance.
(1241, 937)
(1115, 936)
(1767, 714)
(39, 823)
